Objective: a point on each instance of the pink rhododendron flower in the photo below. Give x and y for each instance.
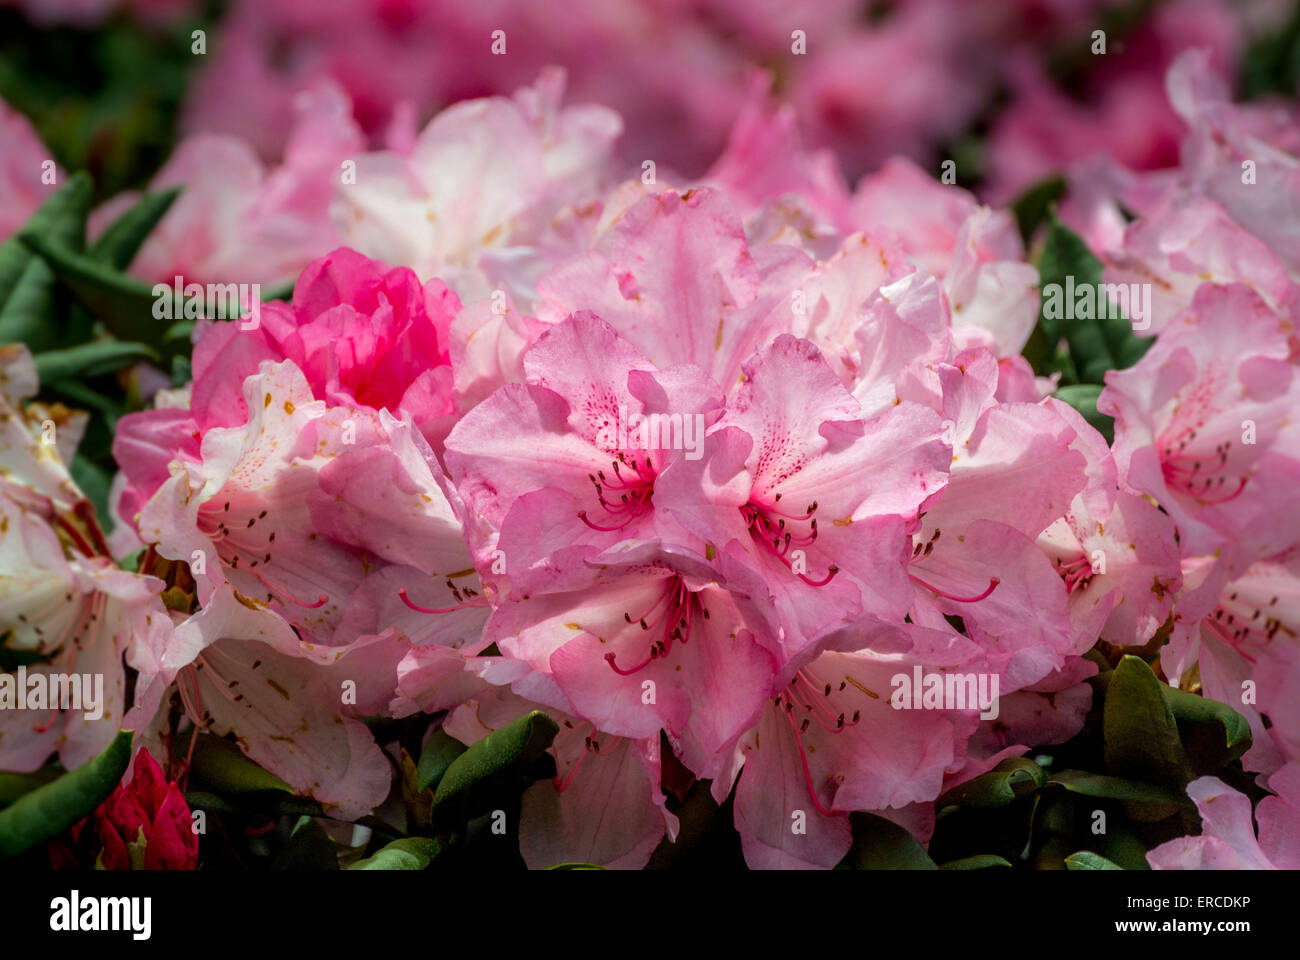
(570, 440)
(1203, 426)
(830, 742)
(1115, 551)
(236, 221)
(704, 649)
(1224, 138)
(65, 607)
(363, 335)
(323, 547)
(1242, 637)
(1014, 472)
(1123, 113)
(604, 805)
(23, 174)
(676, 277)
(472, 198)
(782, 481)
(975, 250)
(765, 162)
(1228, 840)
(239, 671)
(1187, 241)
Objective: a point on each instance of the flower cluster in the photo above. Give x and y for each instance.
(746, 475)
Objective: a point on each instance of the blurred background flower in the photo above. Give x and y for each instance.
(1012, 90)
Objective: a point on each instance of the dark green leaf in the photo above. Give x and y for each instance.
(1097, 344)
(309, 848)
(1032, 207)
(1233, 732)
(1141, 735)
(26, 282)
(499, 762)
(983, 861)
(95, 483)
(62, 217)
(14, 785)
(123, 304)
(1083, 397)
(118, 245)
(409, 853)
(279, 291)
(1117, 788)
(436, 757)
(42, 814)
(880, 844)
(90, 359)
(1011, 779)
(86, 398)
(1124, 847)
(1087, 860)
(1272, 63)
(223, 768)
(262, 804)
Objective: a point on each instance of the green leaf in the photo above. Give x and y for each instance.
(27, 282)
(11, 659)
(437, 755)
(254, 804)
(222, 767)
(1233, 736)
(1141, 735)
(496, 764)
(1117, 788)
(1087, 860)
(87, 398)
(1033, 206)
(90, 359)
(409, 853)
(1083, 397)
(982, 861)
(577, 866)
(123, 304)
(1097, 344)
(42, 814)
(95, 483)
(1008, 781)
(62, 217)
(118, 245)
(880, 844)
(279, 291)
(1122, 846)
(1271, 65)
(15, 785)
(309, 848)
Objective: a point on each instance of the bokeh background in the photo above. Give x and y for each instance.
(1010, 89)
